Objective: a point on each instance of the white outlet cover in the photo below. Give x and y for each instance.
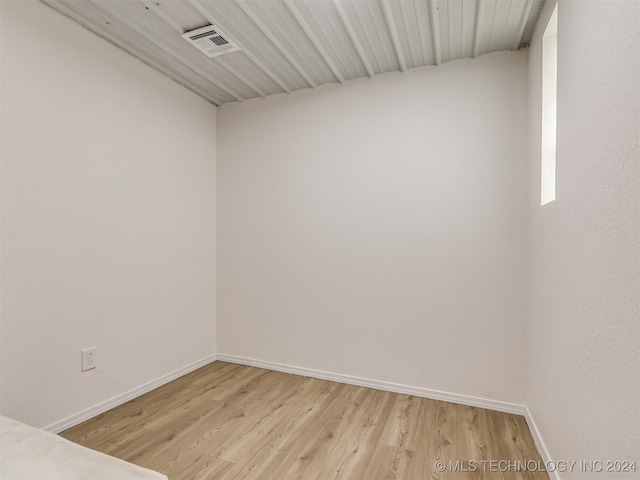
(88, 359)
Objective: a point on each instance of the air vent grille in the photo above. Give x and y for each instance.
(211, 41)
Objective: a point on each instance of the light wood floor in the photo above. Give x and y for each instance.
(228, 421)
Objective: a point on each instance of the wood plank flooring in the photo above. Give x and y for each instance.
(227, 421)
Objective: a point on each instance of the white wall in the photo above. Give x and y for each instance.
(583, 333)
(378, 229)
(108, 218)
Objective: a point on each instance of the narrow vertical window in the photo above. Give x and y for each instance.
(549, 109)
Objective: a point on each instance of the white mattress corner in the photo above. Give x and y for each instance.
(28, 453)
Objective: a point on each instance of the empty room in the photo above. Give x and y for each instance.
(320, 239)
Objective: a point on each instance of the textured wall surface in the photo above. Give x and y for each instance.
(378, 229)
(583, 332)
(108, 218)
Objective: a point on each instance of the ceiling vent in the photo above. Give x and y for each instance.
(211, 41)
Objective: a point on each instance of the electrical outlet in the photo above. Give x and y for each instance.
(88, 359)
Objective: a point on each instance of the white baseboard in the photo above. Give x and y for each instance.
(540, 445)
(380, 385)
(80, 417)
